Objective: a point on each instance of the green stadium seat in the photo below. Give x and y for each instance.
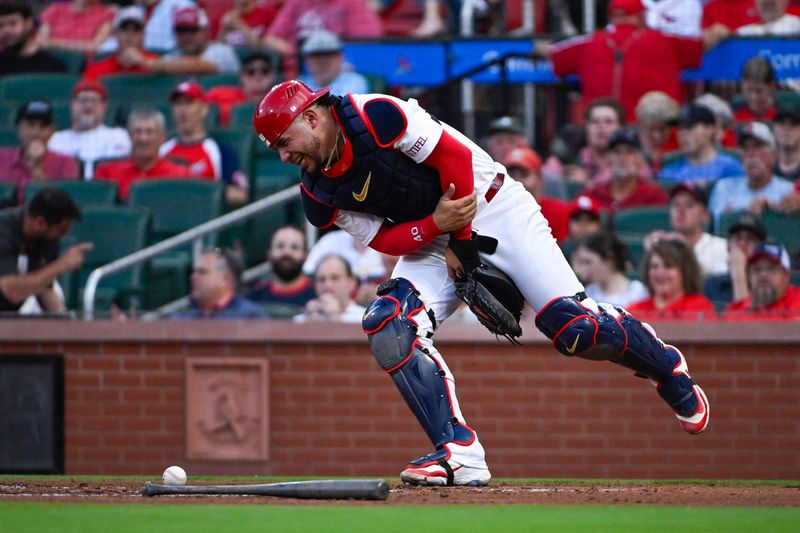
(53, 87)
(115, 232)
(175, 205)
(8, 137)
(74, 60)
(208, 81)
(100, 193)
(573, 189)
(8, 194)
(782, 228)
(641, 220)
(242, 115)
(376, 82)
(122, 110)
(140, 88)
(726, 220)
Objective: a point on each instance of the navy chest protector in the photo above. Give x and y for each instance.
(381, 181)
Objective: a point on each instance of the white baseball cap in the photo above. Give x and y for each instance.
(758, 131)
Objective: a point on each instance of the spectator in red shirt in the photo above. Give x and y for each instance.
(247, 23)
(672, 276)
(771, 296)
(626, 59)
(525, 166)
(129, 33)
(722, 17)
(77, 25)
(758, 89)
(148, 132)
(205, 156)
(255, 79)
(31, 160)
(627, 188)
(298, 19)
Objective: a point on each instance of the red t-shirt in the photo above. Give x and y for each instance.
(644, 194)
(225, 97)
(786, 308)
(730, 13)
(688, 307)
(744, 114)
(110, 65)
(76, 25)
(626, 62)
(557, 214)
(126, 172)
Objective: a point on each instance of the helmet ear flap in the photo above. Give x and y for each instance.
(280, 106)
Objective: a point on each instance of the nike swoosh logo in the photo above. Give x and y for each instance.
(360, 197)
(571, 349)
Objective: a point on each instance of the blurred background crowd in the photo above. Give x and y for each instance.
(125, 123)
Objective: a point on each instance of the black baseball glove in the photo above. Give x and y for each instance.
(494, 299)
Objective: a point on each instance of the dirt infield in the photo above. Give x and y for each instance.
(126, 491)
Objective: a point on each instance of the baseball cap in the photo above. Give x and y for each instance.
(629, 7)
(257, 55)
(693, 114)
(190, 89)
(129, 14)
(751, 222)
(624, 136)
(772, 251)
(506, 124)
(695, 189)
(191, 17)
(321, 42)
(758, 131)
(584, 204)
(523, 157)
(788, 110)
(35, 110)
(89, 85)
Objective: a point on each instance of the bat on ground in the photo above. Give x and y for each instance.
(334, 489)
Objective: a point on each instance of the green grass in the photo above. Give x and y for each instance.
(121, 518)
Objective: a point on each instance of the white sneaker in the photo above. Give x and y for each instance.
(457, 463)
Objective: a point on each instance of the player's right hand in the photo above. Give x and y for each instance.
(451, 215)
(74, 256)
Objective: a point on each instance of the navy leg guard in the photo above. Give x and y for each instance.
(579, 327)
(392, 331)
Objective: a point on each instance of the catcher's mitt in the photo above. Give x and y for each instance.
(494, 299)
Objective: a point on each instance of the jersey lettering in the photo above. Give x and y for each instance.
(416, 233)
(417, 146)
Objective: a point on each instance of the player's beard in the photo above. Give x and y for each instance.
(287, 269)
(763, 295)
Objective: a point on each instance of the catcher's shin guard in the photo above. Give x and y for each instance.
(392, 330)
(579, 327)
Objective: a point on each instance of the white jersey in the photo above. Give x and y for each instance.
(89, 146)
(675, 17)
(526, 250)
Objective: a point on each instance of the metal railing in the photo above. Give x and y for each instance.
(194, 235)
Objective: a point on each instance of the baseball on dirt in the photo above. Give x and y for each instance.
(174, 475)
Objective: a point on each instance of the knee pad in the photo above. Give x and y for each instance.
(393, 337)
(599, 332)
(580, 330)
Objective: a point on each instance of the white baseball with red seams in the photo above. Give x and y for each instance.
(174, 476)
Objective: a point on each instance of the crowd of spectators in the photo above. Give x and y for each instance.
(640, 138)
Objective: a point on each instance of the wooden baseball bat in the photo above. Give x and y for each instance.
(333, 489)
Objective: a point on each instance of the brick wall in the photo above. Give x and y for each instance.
(334, 412)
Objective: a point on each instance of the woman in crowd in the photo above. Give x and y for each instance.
(672, 275)
(600, 261)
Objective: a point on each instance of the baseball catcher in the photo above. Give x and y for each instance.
(406, 184)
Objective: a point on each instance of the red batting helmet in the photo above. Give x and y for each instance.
(281, 105)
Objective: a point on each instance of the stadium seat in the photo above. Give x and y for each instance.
(573, 189)
(74, 60)
(122, 110)
(53, 87)
(207, 81)
(376, 82)
(782, 228)
(726, 220)
(641, 220)
(115, 233)
(140, 88)
(8, 137)
(8, 194)
(100, 193)
(242, 115)
(175, 205)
